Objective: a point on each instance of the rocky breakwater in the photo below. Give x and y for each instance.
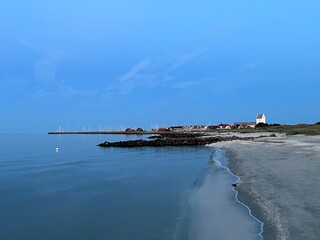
(167, 140)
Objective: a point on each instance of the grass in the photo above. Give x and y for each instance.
(305, 129)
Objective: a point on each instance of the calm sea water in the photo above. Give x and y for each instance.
(87, 192)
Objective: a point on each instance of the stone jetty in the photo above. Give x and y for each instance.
(164, 140)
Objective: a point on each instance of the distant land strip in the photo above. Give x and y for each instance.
(307, 129)
(105, 132)
(111, 132)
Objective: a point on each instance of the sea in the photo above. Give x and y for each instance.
(63, 187)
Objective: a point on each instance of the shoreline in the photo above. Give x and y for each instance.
(244, 197)
(261, 208)
(253, 210)
(105, 132)
(242, 200)
(278, 182)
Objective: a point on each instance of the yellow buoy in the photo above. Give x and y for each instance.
(57, 149)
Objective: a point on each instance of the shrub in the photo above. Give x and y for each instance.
(261, 125)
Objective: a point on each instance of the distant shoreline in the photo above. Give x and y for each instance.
(106, 132)
(306, 129)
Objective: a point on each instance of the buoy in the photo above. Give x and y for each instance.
(57, 149)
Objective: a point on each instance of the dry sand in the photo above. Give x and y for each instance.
(280, 183)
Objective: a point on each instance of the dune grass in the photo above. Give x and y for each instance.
(306, 129)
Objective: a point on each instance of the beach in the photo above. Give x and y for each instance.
(279, 181)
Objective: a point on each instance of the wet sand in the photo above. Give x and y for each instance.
(279, 181)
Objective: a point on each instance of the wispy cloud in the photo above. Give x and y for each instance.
(64, 90)
(182, 60)
(45, 73)
(142, 75)
(146, 74)
(135, 71)
(248, 66)
(45, 70)
(149, 74)
(194, 84)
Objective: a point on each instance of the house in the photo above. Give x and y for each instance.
(225, 126)
(162, 129)
(177, 128)
(198, 127)
(242, 125)
(261, 118)
(212, 127)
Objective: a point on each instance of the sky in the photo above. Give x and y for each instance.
(90, 65)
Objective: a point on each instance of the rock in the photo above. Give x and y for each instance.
(168, 140)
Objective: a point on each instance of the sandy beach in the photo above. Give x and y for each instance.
(279, 181)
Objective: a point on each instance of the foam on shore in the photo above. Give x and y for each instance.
(225, 166)
(214, 210)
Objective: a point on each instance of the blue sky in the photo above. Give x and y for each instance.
(107, 64)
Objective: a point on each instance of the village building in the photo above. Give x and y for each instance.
(225, 126)
(177, 128)
(243, 125)
(212, 127)
(161, 129)
(261, 118)
(198, 128)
